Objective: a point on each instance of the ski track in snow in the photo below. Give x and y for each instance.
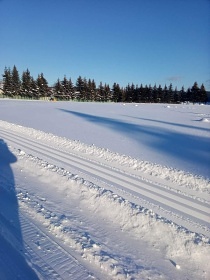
(139, 202)
(45, 249)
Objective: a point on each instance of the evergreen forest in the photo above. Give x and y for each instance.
(26, 87)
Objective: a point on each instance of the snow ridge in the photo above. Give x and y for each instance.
(191, 181)
(117, 192)
(135, 219)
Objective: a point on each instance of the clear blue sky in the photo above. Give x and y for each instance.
(123, 41)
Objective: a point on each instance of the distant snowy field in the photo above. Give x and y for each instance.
(104, 191)
(176, 136)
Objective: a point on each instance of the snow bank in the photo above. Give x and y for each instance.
(180, 177)
(180, 246)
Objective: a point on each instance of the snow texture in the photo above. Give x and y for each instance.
(104, 191)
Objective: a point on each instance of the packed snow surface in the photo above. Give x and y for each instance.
(104, 191)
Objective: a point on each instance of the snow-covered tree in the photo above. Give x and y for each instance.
(80, 88)
(42, 84)
(26, 88)
(116, 93)
(16, 83)
(58, 89)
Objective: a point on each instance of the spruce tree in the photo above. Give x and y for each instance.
(170, 94)
(154, 94)
(203, 94)
(100, 93)
(16, 83)
(58, 89)
(71, 89)
(159, 94)
(176, 96)
(149, 93)
(142, 94)
(85, 93)
(135, 97)
(34, 89)
(127, 94)
(7, 82)
(66, 88)
(116, 93)
(79, 88)
(124, 95)
(94, 88)
(145, 92)
(91, 90)
(195, 91)
(107, 93)
(188, 95)
(42, 84)
(130, 93)
(26, 86)
(165, 94)
(183, 95)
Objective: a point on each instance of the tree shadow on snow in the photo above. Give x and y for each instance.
(173, 124)
(12, 260)
(173, 144)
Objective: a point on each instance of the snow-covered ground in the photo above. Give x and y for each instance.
(104, 191)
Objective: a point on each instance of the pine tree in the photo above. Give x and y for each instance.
(145, 92)
(58, 89)
(89, 89)
(16, 83)
(92, 92)
(79, 88)
(149, 93)
(154, 94)
(203, 94)
(34, 89)
(124, 95)
(183, 95)
(7, 82)
(127, 94)
(130, 92)
(71, 89)
(65, 90)
(188, 95)
(176, 96)
(42, 84)
(195, 93)
(170, 94)
(100, 93)
(85, 93)
(107, 93)
(26, 87)
(165, 94)
(141, 93)
(135, 97)
(116, 93)
(93, 89)
(159, 94)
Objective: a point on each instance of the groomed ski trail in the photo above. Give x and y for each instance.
(131, 191)
(159, 195)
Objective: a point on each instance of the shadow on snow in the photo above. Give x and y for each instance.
(177, 145)
(12, 260)
(173, 124)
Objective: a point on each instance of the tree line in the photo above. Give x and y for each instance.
(84, 89)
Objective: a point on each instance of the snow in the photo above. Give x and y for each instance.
(104, 191)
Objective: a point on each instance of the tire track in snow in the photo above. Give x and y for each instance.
(159, 195)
